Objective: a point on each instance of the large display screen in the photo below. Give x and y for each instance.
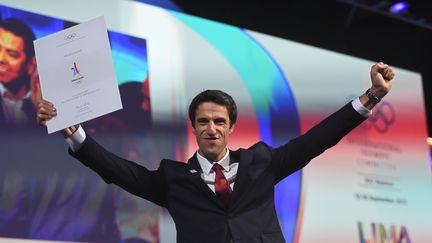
(374, 186)
(44, 195)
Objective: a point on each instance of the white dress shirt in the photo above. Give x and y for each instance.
(228, 169)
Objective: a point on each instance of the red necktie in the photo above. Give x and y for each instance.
(222, 187)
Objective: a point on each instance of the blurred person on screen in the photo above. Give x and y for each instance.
(41, 199)
(221, 195)
(136, 105)
(135, 115)
(17, 66)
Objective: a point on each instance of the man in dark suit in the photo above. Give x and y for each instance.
(222, 195)
(17, 64)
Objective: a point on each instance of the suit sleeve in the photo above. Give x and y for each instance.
(298, 152)
(130, 176)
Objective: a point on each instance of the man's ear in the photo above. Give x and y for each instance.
(231, 129)
(31, 66)
(193, 127)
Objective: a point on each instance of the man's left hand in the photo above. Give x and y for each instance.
(382, 79)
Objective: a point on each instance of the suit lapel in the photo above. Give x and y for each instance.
(244, 158)
(195, 171)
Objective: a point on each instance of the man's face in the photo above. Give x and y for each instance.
(13, 59)
(212, 130)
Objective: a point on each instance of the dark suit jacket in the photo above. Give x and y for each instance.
(198, 214)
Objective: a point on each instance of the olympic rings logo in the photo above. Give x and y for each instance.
(383, 116)
(70, 36)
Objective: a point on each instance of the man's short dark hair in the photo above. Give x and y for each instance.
(215, 96)
(22, 30)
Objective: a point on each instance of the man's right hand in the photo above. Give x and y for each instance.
(45, 111)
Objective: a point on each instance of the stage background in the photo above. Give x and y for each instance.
(376, 180)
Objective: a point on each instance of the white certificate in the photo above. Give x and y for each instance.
(77, 73)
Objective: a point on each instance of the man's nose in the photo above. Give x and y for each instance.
(211, 128)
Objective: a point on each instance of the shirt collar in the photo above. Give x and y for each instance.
(207, 165)
(3, 90)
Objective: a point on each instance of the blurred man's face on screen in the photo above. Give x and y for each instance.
(212, 130)
(13, 59)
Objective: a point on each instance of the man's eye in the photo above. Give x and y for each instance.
(13, 54)
(220, 122)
